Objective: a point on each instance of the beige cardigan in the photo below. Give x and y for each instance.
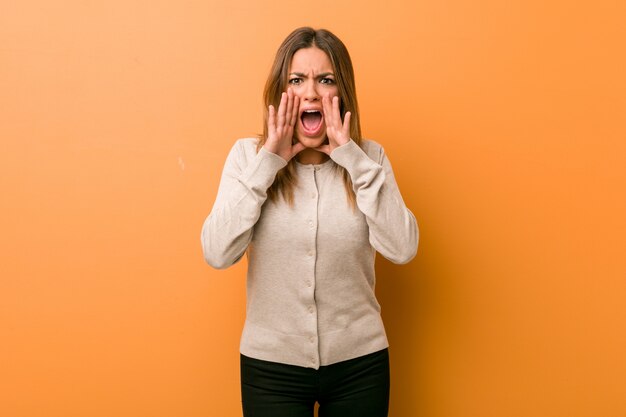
(310, 286)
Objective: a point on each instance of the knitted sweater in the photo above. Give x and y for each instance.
(310, 284)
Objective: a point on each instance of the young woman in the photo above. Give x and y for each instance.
(311, 203)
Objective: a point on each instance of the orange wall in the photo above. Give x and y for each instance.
(505, 122)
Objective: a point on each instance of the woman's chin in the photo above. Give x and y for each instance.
(312, 142)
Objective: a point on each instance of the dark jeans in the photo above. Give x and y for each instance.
(354, 388)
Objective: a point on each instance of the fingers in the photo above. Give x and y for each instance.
(346, 123)
(337, 130)
(271, 119)
(288, 109)
(332, 113)
(296, 110)
(327, 107)
(293, 107)
(336, 111)
(282, 109)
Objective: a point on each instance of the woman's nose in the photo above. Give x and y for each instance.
(310, 92)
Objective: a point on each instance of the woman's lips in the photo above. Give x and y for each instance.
(311, 122)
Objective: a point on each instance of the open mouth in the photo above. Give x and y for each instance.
(311, 122)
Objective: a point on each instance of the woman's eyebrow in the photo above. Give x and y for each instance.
(322, 75)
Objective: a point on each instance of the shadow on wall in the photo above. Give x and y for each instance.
(400, 290)
(416, 311)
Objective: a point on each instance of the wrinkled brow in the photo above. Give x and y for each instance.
(322, 75)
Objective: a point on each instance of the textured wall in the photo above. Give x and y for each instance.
(505, 122)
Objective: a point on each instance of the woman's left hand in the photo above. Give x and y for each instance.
(338, 132)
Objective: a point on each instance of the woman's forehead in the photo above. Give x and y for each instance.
(310, 59)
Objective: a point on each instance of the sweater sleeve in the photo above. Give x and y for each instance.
(247, 175)
(393, 230)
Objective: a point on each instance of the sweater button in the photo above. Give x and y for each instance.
(311, 339)
(308, 284)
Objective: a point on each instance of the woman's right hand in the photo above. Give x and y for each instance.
(280, 127)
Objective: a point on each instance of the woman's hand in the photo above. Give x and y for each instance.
(280, 127)
(338, 133)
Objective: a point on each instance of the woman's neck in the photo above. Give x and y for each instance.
(311, 156)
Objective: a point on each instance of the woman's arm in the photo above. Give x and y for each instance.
(247, 175)
(393, 230)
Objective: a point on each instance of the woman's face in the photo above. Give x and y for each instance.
(311, 77)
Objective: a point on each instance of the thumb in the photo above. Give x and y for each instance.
(323, 148)
(297, 148)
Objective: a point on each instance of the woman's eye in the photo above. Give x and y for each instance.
(295, 81)
(327, 81)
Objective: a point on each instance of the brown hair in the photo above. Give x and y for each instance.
(276, 84)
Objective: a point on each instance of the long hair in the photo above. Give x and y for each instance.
(276, 84)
